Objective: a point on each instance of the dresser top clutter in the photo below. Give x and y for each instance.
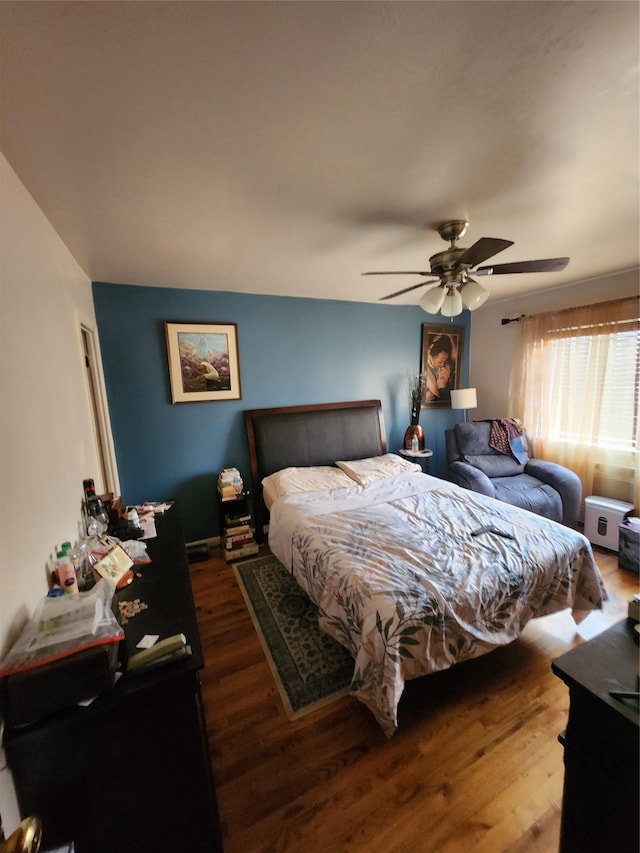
(130, 771)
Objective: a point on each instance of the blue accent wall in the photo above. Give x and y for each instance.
(292, 351)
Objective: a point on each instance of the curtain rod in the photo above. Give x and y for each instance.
(562, 311)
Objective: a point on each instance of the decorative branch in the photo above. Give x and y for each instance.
(416, 384)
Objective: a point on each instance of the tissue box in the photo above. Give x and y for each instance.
(602, 518)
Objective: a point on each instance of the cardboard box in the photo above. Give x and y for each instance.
(629, 551)
(26, 697)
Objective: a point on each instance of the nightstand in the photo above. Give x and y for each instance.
(421, 457)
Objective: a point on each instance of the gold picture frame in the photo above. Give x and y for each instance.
(203, 362)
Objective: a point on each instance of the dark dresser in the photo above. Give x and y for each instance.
(601, 795)
(131, 772)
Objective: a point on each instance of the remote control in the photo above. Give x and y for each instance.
(490, 528)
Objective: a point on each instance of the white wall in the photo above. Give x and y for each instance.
(46, 439)
(493, 345)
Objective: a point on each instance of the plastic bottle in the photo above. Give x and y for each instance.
(80, 558)
(97, 518)
(67, 574)
(414, 444)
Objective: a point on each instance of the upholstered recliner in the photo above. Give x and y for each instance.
(545, 488)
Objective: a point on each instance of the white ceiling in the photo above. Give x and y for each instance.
(286, 147)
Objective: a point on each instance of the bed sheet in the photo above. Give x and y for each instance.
(401, 582)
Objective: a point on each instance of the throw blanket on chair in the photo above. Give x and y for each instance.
(506, 437)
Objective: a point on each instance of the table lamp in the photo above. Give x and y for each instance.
(464, 398)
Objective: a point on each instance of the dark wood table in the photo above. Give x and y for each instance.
(130, 772)
(601, 792)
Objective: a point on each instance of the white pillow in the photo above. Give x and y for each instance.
(365, 471)
(316, 478)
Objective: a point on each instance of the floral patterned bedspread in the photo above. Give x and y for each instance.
(402, 583)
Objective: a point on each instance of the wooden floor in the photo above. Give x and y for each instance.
(475, 765)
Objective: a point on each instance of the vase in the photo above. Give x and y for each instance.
(413, 429)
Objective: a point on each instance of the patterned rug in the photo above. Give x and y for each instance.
(309, 667)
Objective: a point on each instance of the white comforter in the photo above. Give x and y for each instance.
(401, 582)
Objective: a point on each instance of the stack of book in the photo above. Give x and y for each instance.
(230, 484)
(239, 542)
(237, 539)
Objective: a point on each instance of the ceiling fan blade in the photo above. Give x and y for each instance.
(547, 265)
(407, 289)
(482, 249)
(396, 272)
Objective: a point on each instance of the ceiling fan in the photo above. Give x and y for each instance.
(455, 288)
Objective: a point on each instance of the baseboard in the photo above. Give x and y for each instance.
(212, 542)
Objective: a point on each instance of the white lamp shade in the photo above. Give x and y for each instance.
(464, 398)
(473, 295)
(452, 304)
(432, 300)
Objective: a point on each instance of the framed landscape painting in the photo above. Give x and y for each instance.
(442, 353)
(203, 361)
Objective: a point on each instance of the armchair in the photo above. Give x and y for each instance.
(545, 488)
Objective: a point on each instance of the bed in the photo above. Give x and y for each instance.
(410, 573)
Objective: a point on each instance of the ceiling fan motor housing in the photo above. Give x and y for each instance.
(443, 262)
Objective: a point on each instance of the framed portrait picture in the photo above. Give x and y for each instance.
(203, 361)
(442, 352)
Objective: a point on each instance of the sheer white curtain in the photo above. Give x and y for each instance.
(575, 385)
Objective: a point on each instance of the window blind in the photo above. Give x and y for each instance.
(599, 365)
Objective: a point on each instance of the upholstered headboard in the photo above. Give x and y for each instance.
(310, 435)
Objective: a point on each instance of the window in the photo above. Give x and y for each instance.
(610, 357)
(575, 385)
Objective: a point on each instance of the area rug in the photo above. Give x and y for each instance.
(309, 667)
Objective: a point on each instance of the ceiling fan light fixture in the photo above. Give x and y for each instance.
(432, 301)
(452, 303)
(473, 295)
